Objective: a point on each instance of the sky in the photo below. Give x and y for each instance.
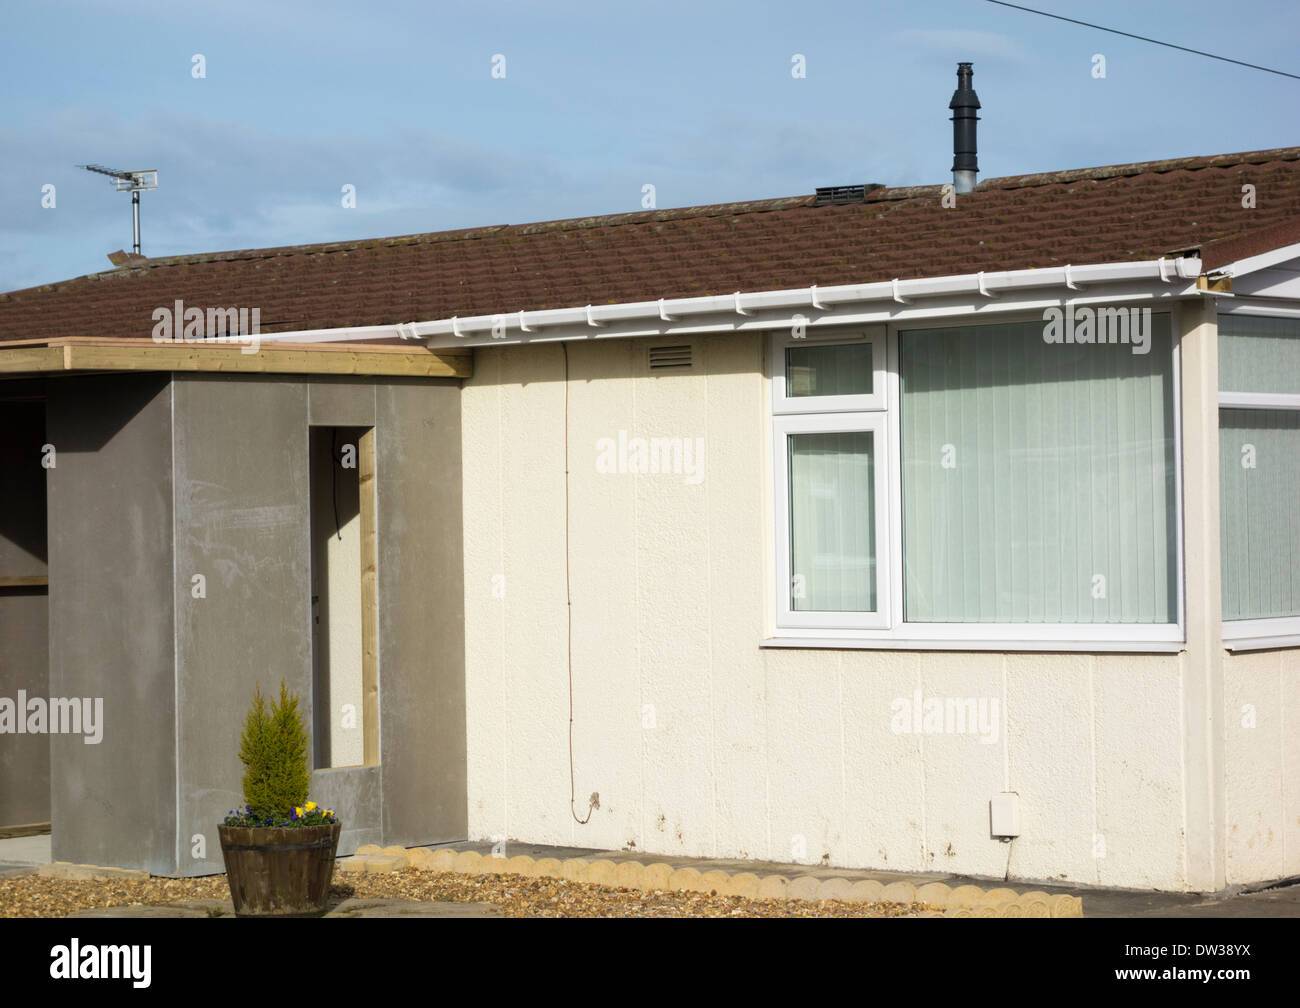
(442, 115)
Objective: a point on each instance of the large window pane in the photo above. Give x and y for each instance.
(828, 370)
(1258, 354)
(1259, 484)
(1038, 478)
(832, 522)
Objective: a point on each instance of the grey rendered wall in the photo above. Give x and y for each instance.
(241, 484)
(243, 522)
(421, 612)
(110, 618)
(24, 654)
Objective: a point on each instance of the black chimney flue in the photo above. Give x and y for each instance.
(965, 103)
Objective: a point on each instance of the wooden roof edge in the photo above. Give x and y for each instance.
(416, 349)
(56, 358)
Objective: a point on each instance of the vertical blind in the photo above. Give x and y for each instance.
(1259, 354)
(1259, 469)
(1038, 478)
(832, 522)
(1259, 490)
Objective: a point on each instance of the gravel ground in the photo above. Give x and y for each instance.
(517, 896)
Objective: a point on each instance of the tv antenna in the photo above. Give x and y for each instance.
(134, 182)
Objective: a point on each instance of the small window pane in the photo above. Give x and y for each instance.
(1259, 354)
(1259, 489)
(828, 370)
(832, 522)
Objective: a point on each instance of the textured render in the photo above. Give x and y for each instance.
(1261, 709)
(701, 743)
(110, 550)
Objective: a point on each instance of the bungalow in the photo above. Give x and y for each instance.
(799, 529)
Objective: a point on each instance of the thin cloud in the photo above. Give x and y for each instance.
(964, 41)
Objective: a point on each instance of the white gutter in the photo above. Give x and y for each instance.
(1011, 290)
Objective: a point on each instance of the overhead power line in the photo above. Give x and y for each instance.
(1143, 38)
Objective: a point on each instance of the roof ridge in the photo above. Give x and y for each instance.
(1139, 168)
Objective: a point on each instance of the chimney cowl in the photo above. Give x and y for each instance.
(965, 103)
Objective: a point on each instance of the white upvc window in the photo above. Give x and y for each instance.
(832, 509)
(1259, 477)
(975, 485)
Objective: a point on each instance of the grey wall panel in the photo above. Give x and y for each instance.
(241, 523)
(110, 619)
(355, 793)
(24, 658)
(178, 671)
(341, 402)
(421, 612)
(24, 648)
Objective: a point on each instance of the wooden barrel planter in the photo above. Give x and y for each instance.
(279, 872)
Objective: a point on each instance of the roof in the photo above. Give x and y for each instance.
(1119, 213)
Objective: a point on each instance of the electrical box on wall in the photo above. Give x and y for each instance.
(1004, 815)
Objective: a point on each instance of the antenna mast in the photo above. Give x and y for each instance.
(134, 182)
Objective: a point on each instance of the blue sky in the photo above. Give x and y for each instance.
(598, 99)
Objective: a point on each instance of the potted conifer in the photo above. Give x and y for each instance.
(279, 850)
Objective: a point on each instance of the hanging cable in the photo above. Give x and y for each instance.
(1143, 38)
(594, 801)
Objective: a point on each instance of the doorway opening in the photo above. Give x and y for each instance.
(345, 653)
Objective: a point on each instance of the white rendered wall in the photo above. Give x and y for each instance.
(700, 742)
(1262, 718)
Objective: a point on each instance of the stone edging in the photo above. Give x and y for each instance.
(962, 901)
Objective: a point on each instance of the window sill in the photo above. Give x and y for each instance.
(1261, 634)
(1076, 646)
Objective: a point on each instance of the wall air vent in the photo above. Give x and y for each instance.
(671, 358)
(840, 195)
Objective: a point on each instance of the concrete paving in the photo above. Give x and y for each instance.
(24, 851)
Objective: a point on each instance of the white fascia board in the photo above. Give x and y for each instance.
(1264, 260)
(846, 304)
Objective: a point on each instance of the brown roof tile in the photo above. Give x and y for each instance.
(1111, 214)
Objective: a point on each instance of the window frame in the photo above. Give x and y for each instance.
(1268, 631)
(896, 633)
(876, 335)
(833, 423)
